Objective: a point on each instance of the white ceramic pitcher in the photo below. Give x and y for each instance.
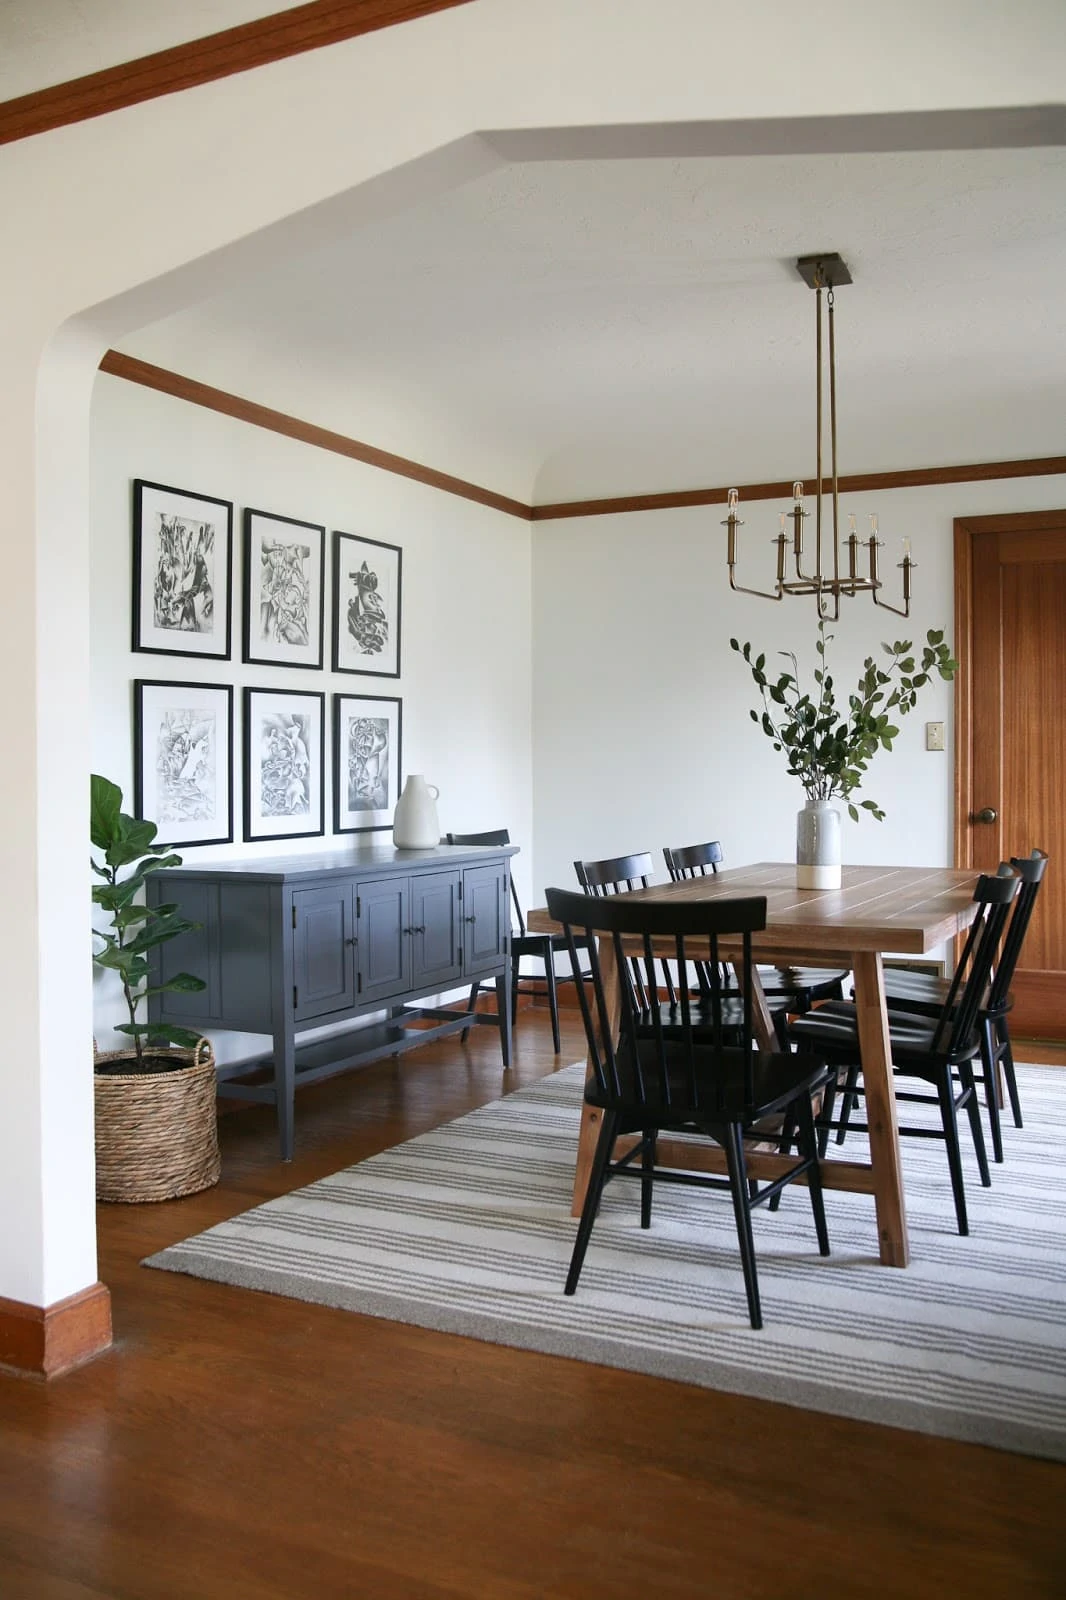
(415, 825)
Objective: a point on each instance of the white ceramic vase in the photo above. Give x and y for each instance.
(818, 846)
(415, 825)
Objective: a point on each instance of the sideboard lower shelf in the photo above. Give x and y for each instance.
(299, 943)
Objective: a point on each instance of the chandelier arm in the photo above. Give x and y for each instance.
(763, 594)
(899, 611)
(818, 434)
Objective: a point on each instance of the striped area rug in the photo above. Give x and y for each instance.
(467, 1229)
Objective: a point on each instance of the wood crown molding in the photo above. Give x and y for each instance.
(50, 1340)
(231, 405)
(218, 55)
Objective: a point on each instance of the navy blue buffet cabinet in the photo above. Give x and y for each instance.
(297, 943)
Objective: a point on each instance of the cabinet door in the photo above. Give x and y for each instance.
(323, 940)
(435, 942)
(384, 919)
(486, 917)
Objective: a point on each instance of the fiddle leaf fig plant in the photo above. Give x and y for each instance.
(129, 855)
(829, 748)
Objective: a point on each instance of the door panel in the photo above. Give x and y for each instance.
(486, 918)
(435, 924)
(323, 950)
(1011, 748)
(384, 937)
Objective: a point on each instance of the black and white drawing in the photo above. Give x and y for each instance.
(367, 733)
(366, 605)
(283, 763)
(283, 587)
(183, 760)
(182, 563)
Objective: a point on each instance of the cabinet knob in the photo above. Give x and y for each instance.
(353, 940)
(470, 919)
(986, 814)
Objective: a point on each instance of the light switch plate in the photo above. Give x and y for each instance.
(934, 736)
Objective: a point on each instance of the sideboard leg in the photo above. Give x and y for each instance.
(503, 1007)
(285, 1088)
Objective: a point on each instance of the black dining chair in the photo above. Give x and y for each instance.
(619, 875)
(787, 988)
(939, 1050)
(925, 994)
(540, 946)
(701, 1075)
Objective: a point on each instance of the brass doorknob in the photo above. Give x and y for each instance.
(986, 814)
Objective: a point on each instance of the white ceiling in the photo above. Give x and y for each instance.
(562, 329)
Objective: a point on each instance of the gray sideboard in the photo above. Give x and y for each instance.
(297, 943)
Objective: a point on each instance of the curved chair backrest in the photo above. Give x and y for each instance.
(494, 836)
(969, 986)
(644, 1061)
(615, 875)
(1030, 869)
(692, 860)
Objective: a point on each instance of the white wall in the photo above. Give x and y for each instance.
(641, 728)
(466, 647)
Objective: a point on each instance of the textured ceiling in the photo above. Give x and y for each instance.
(571, 328)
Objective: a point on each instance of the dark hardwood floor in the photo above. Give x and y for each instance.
(241, 1445)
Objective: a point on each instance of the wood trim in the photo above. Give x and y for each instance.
(915, 478)
(50, 1340)
(218, 55)
(963, 652)
(232, 405)
(133, 370)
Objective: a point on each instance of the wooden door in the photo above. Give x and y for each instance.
(1010, 575)
(383, 917)
(435, 944)
(486, 917)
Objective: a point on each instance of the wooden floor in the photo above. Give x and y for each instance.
(255, 1448)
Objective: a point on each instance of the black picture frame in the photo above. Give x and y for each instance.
(367, 605)
(284, 763)
(356, 808)
(183, 760)
(182, 572)
(283, 590)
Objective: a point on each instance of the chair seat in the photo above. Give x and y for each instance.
(816, 983)
(834, 1028)
(779, 1079)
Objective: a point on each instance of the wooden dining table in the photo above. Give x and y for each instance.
(908, 911)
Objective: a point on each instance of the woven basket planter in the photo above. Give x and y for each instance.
(156, 1135)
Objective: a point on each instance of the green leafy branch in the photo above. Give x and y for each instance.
(827, 749)
(137, 928)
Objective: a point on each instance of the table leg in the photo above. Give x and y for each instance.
(762, 1022)
(591, 1116)
(876, 1053)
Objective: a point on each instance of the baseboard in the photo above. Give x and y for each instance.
(50, 1340)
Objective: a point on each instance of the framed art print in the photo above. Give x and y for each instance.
(183, 760)
(182, 566)
(366, 761)
(366, 605)
(284, 573)
(284, 756)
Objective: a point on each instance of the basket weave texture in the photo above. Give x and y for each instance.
(156, 1134)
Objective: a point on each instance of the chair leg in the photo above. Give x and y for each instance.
(1007, 1060)
(553, 998)
(969, 1088)
(738, 1183)
(788, 1134)
(647, 1167)
(469, 1009)
(597, 1179)
(988, 1063)
(514, 989)
(825, 1115)
(945, 1090)
(847, 1104)
(808, 1144)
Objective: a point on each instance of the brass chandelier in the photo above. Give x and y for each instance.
(823, 273)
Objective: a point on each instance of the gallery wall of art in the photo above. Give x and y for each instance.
(289, 675)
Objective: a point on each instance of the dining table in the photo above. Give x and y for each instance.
(908, 912)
